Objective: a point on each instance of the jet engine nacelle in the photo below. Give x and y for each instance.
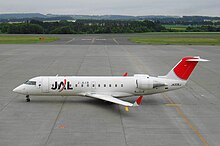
(144, 81)
(145, 84)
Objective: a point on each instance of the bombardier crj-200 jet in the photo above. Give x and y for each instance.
(110, 88)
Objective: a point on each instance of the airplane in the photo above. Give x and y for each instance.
(111, 88)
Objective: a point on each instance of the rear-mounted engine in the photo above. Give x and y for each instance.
(145, 82)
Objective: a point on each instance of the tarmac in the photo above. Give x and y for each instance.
(189, 116)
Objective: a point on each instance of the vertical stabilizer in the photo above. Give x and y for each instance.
(183, 69)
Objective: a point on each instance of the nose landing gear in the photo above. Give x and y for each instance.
(28, 98)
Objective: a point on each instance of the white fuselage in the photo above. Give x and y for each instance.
(116, 86)
(110, 88)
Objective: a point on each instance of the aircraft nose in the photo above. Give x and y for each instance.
(19, 89)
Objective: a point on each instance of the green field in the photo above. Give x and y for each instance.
(184, 38)
(176, 27)
(26, 39)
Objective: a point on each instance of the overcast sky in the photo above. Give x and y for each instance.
(115, 7)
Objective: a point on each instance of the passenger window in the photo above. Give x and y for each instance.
(104, 85)
(87, 85)
(115, 85)
(82, 85)
(76, 85)
(110, 85)
(93, 85)
(121, 85)
(98, 85)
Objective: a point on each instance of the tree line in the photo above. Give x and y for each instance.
(81, 27)
(204, 28)
(94, 27)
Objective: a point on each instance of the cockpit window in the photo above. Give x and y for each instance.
(30, 83)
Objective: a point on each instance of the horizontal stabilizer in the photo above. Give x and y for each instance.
(198, 59)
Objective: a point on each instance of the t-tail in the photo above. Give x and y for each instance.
(183, 69)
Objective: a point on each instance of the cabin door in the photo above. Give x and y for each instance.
(45, 85)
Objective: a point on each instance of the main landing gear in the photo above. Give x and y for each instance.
(28, 98)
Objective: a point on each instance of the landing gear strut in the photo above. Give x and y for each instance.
(28, 98)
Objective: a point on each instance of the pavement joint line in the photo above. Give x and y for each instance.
(109, 62)
(201, 86)
(174, 105)
(123, 129)
(83, 59)
(54, 124)
(70, 41)
(115, 41)
(93, 40)
(2, 109)
(127, 109)
(50, 64)
(137, 61)
(187, 121)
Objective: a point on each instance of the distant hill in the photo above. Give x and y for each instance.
(21, 17)
(97, 17)
(114, 17)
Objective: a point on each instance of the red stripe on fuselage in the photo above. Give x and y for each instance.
(64, 85)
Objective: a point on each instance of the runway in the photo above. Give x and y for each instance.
(95, 39)
(189, 116)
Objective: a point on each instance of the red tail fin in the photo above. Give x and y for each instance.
(184, 68)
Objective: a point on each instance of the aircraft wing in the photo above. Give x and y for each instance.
(113, 99)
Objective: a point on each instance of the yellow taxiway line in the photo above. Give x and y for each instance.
(187, 121)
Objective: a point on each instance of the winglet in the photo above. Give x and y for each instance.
(125, 74)
(138, 101)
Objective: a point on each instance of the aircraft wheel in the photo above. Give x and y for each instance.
(28, 98)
